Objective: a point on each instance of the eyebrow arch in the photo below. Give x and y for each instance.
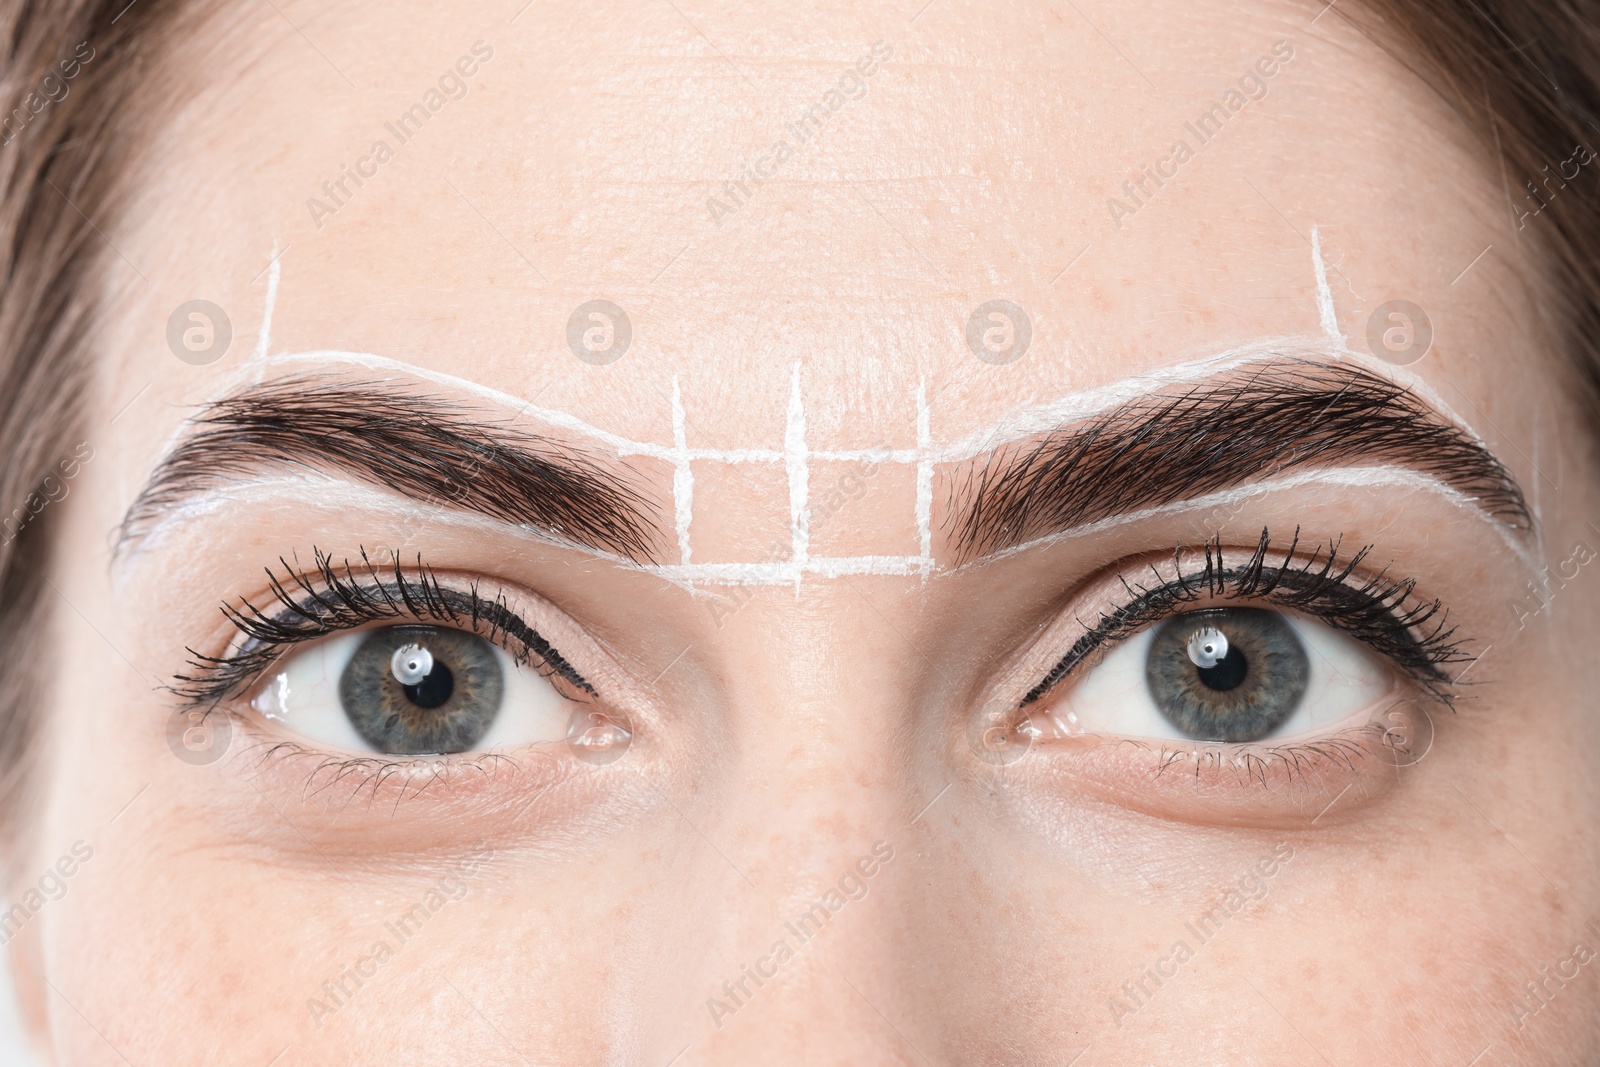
(1168, 447)
(436, 451)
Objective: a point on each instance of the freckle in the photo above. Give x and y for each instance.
(1554, 902)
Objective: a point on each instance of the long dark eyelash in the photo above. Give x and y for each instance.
(333, 598)
(1375, 609)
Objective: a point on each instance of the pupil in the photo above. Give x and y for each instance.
(1229, 672)
(434, 689)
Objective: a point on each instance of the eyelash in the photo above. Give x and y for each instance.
(324, 601)
(329, 599)
(1375, 609)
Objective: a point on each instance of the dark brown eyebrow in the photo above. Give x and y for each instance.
(438, 452)
(1224, 433)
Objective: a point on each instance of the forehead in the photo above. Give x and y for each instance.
(844, 189)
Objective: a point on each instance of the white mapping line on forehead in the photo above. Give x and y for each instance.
(796, 455)
(1325, 310)
(1034, 420)
(620, 445)
(258, 359)
(796, 463)
(249, 373)
(291, 493)
(1043, 418)
(785, 572)
(924, 480)
(296, 493)
(1016, 425)
(682, 475)
(1364, 477)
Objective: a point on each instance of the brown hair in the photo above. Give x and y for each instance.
(1523, 74)
(75, 85)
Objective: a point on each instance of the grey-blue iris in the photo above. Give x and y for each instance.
(448, 709)
(1245, 695)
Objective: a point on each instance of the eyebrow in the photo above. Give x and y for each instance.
(438, 452)
(1169, 447)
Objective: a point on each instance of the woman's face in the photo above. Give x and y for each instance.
(842, 533)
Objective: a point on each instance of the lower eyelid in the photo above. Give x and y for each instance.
(1293, 783)
(354, 784)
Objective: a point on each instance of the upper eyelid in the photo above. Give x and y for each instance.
(1439, 647)
(422, 599)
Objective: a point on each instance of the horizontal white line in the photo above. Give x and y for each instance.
(1389, 477)
(1014, 426)
(785, 572)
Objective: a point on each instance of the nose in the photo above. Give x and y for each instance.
(816, 974)
(807, 822)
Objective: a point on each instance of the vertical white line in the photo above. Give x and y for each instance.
(264, 340)
(682, 474)
(924, 483)
(796, 459)
(1325, 309)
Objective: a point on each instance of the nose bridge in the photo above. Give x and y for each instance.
(818, 681)
(813, 814)
(789, 989)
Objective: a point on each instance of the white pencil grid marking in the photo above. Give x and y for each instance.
(1325, 309)
(258, 359)
(798, 464)
(796, 455)
(924, 482)
(682, 475)
(796, 458)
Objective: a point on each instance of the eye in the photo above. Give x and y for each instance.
(1222, 675)
(413, 690)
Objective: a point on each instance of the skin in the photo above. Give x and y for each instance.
(778, 736)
